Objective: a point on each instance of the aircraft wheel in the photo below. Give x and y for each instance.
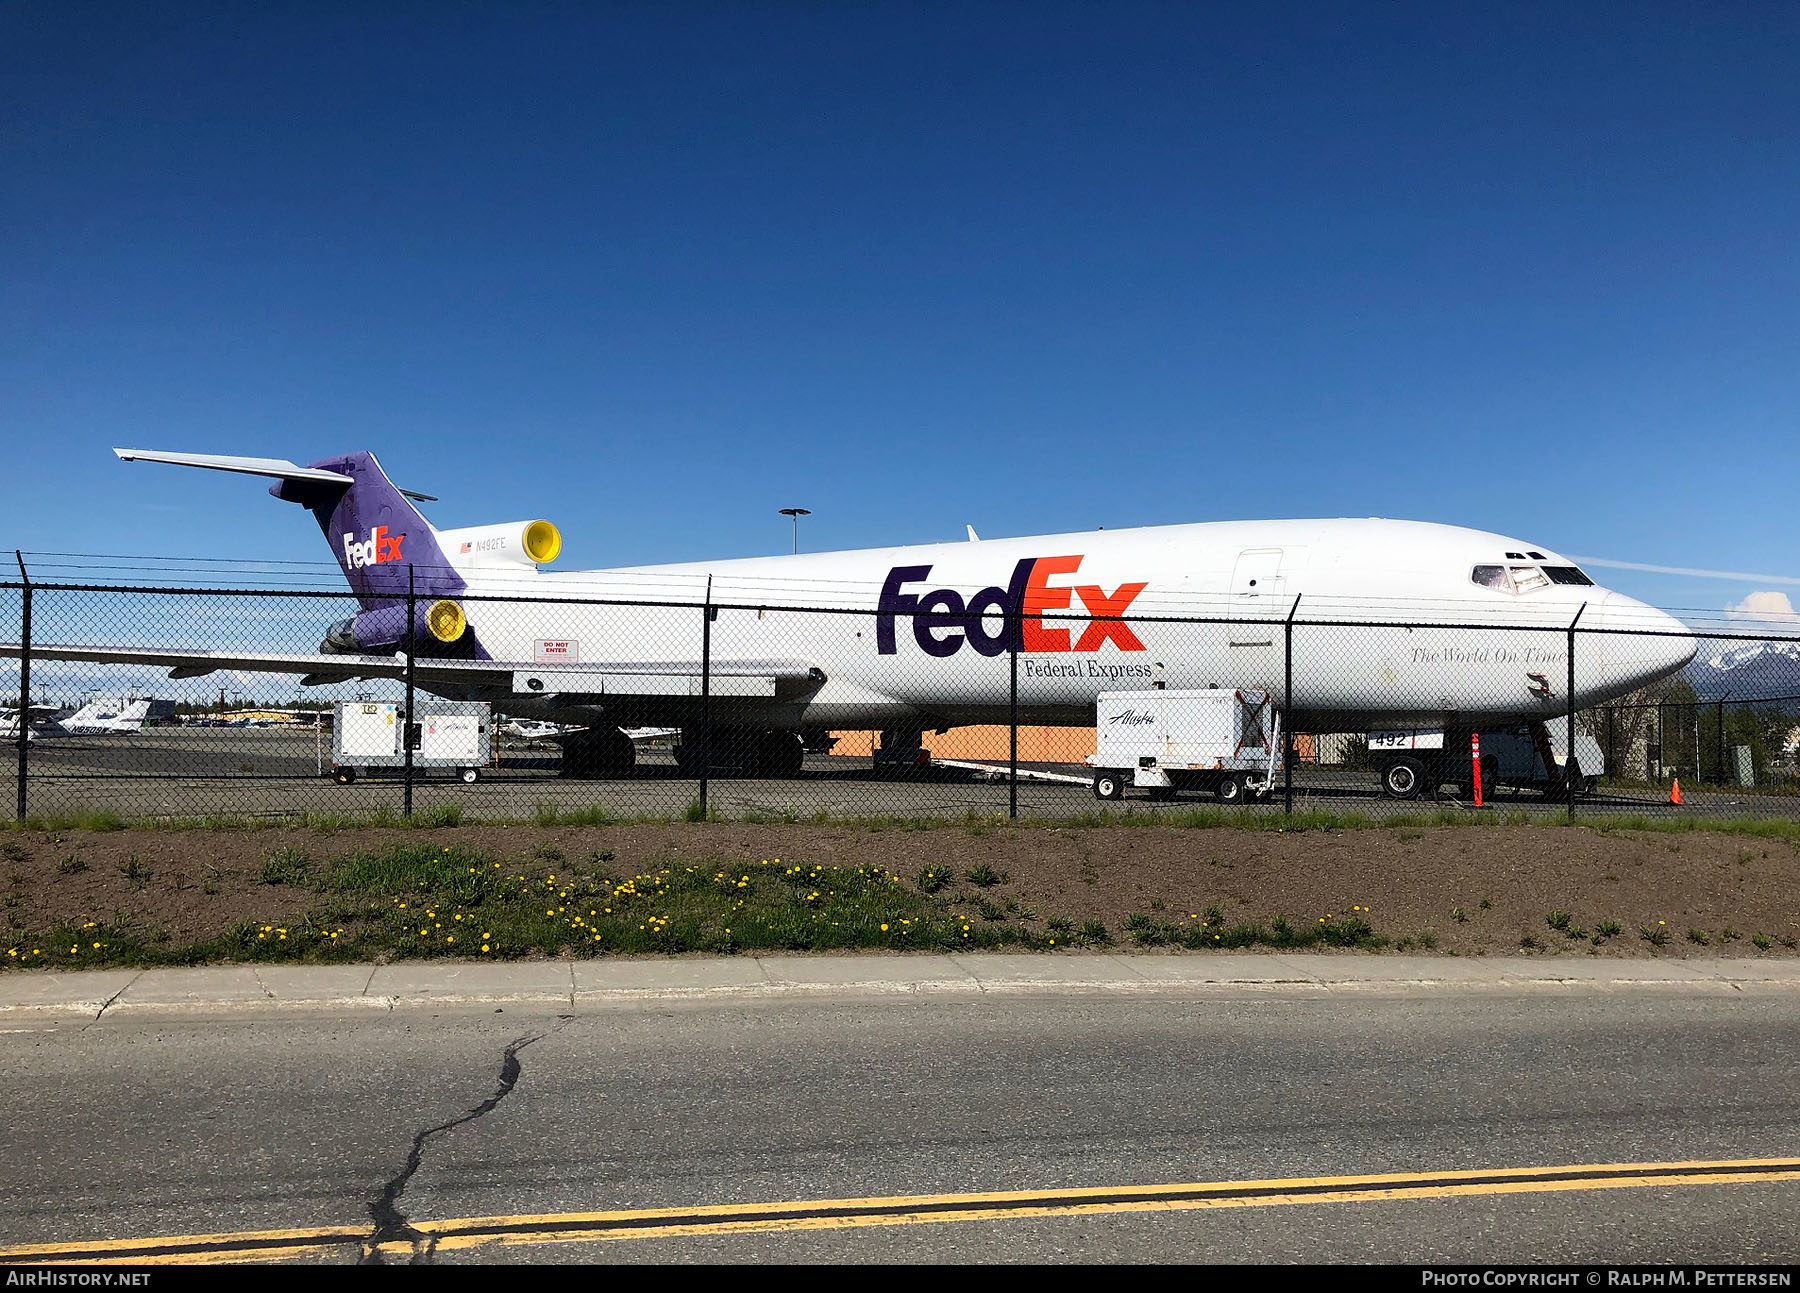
(781, 754)
(1108, 785)
(606, 754)
(1230, 789)
(470, 776)
(1403, 778)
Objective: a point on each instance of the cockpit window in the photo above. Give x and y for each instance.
(1526, 578)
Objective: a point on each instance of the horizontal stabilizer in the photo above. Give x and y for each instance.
(279, 468)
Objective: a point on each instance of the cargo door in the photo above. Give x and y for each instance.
(1199, 728)
(450, 738)
(367, 730)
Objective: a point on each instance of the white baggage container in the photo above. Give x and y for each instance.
(454, 734)
(1216, 739)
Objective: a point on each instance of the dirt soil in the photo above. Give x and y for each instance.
(1505, 881)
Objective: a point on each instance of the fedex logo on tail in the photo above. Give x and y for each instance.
(942, 621)
(380, 546)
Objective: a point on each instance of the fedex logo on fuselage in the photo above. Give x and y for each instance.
(380, 546)
(942, 621)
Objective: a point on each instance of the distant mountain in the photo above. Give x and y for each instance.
(1747, 670)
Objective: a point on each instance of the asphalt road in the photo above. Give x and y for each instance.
(272, 772)
(132, 1129)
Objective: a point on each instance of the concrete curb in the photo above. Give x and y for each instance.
(107, 995)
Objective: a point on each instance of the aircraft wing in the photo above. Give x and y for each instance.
(624, 678)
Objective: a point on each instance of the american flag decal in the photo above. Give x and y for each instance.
(465, 547)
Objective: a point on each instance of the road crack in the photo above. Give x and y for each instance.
(391, 1224)
(108, 1003)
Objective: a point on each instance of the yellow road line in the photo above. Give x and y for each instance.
(824, 1214)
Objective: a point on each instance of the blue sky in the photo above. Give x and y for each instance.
(656, 271)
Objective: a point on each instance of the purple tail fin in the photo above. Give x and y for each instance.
(374, 531)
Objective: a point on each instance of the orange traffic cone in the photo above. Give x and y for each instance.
(1675, 791)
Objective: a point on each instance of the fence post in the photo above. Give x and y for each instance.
(1569, 784)
(24, 682)
(1287, 716)
(706, 619)
(1697, 722)
(1612, 745)
(1662, 749)
(1721, 741)
(1012, 718)
(406, 731)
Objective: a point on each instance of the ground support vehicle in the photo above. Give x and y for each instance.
(1410, 762)
(1219, 740)
(372, 735)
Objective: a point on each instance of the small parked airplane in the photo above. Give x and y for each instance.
(918, 638)
(526, 730)
(101, 717)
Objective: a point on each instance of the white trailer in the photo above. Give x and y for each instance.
(1215, 739)
(454, 734)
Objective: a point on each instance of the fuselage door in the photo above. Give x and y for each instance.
(1256, 594)
(1257, 574)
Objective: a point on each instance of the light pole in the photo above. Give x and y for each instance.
(796, 513)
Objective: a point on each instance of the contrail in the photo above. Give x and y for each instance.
(1736, 575)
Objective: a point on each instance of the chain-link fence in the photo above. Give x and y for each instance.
(158, 703)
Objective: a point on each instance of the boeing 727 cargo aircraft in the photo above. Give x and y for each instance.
(920, 637)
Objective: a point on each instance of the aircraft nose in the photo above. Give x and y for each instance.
(1640, 644)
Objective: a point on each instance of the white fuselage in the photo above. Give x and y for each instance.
(100, 717)
(1201, 605)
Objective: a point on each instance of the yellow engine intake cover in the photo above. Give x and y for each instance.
(542, 541)
(446, 621)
